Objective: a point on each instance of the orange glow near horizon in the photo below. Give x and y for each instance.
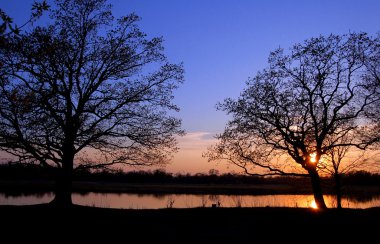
(189, 158)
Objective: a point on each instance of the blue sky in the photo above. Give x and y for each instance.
(222, 43)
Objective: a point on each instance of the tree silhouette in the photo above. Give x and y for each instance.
(372, 80)
(299, 108)
(87, 91)
(340, 161)
(7, 27)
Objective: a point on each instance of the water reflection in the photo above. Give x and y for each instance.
(313, 204)
(154, 201)
(25, 199)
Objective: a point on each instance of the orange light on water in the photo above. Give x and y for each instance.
(313, 205)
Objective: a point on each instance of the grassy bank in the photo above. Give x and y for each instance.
(46, 224)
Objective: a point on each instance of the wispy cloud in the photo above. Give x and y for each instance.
(196, 141)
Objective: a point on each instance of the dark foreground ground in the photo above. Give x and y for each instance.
(46, 224)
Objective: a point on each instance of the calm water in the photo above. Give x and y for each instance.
(150, 201)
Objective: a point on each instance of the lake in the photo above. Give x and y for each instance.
(156, 201)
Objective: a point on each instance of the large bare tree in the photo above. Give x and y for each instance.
(87, 91)
(299, 109)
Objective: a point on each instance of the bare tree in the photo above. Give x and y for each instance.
(372, 80)
(87, 91)
(342, 160)
(7, 27)
(289, 112)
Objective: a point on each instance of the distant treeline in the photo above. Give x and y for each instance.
(35, 172)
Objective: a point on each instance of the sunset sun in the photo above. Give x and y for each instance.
(313, 157)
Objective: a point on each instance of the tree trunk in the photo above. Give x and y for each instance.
(63, 187)
(338, 191)
(317, 189)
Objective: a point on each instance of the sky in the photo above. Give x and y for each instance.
(224, 42)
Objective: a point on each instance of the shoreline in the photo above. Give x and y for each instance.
(30, 187)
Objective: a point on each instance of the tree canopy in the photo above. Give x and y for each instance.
(88, 90)
(297, 110)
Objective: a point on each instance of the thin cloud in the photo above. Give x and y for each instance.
(199, 141)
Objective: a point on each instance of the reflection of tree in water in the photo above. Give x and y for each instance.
(362, 198)
(170, 201)
(238, 201)
(203, 201)
(44, 194)
(26, 194)
(84, 193)
(157, 196)
(215, 199)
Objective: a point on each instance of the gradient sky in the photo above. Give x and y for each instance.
(222, 43)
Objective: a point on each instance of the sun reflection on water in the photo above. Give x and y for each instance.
(313, 205)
